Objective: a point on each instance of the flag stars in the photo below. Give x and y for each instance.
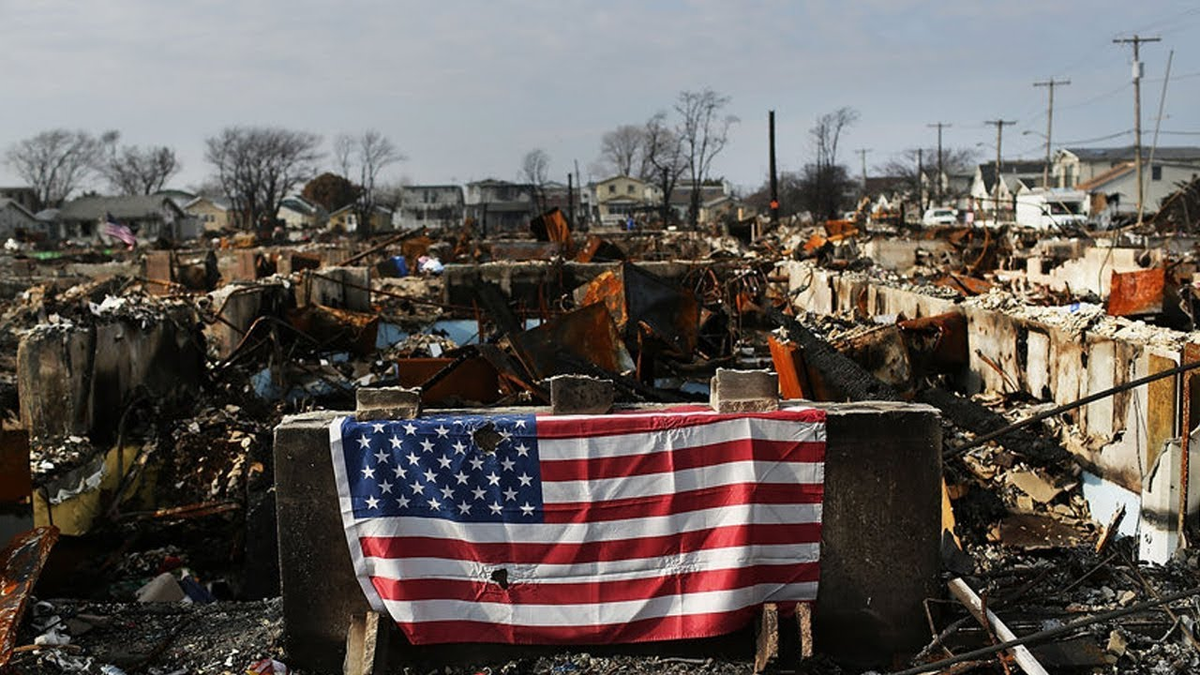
(395, 441)
(400, 472)
(444, 462)
(363, 442)
(427, 445)
(413, 458)
(381, 456)
(520, 424)
(527, 509)
(525, 479)
(464, 508)
(496, 508)
(368, 472)
(385, 487)
(476, 463)
(377, 428)
(510, 495)
(461, 478)
(448, 492)
(410, 429)
(430, 475)
(522, 450)
(479, 493)
(435, 505)
(508, 464)
(493, 479)
(372, 503)
(460, 448)
(442, 431)
(417, 488)
(402, 502)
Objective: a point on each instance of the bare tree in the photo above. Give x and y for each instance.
(131, 170)
(703, 132)
(910, 164)
(824, 181)
(664, 155)
(258, 166)
(371, 152)
(57, 162)
(535, 170)
(623, 151)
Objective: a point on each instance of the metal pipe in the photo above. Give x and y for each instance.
(990, 436)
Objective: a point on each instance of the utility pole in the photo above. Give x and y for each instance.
(862, 153)
(1049, 84)
(1000, 124)
(921, 181)
(1136, 41)
(571, 200)
(939, 126)
(774, 177)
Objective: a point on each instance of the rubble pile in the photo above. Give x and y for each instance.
(148, 404)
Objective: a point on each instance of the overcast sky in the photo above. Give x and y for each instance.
(465, 88)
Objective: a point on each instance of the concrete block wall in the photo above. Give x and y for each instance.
(1125, 432)
(880, 544)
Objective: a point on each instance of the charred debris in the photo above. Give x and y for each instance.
(140, 390)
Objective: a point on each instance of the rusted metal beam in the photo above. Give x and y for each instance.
(20, 565)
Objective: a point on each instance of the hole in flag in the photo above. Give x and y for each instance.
(487, 438)
(500, 577)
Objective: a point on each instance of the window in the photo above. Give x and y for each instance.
(1156, 172)
(612, 189)
(629, 189)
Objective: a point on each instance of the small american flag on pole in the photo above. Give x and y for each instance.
(539, 529)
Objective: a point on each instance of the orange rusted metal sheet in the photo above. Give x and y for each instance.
(1137, 293)
(20, 565)
(587, 333)
(599, 250)
(841, 228)
(635, 298)
(968, 286)
(474, 380)
(789, 364)
(938, 342)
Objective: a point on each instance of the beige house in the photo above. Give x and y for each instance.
(345, 219)
(213, 214)
(622, 196)
(299, 214)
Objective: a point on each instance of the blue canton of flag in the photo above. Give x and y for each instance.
(467, 469)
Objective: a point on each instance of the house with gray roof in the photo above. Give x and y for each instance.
(150, 218)
(1072, 166)
(17, 222)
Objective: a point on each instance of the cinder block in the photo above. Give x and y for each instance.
(735, 391)
(580, 395)
(387, 403)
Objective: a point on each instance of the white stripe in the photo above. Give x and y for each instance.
(666, 413)
(600, 613)
(655, 526)
(666, 440)
(352, 542)
(707, 560)
(605, 489)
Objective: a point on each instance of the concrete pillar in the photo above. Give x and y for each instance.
(879, 549)
(54, 369)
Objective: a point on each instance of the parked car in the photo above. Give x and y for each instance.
(939, 217)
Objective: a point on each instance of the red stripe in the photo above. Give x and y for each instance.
(551, 426)
(646, 630)
(583, 593)
(725, 452)
(515, 553)
(683, 502)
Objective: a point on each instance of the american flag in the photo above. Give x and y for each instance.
(118, 231)
(540, 529)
